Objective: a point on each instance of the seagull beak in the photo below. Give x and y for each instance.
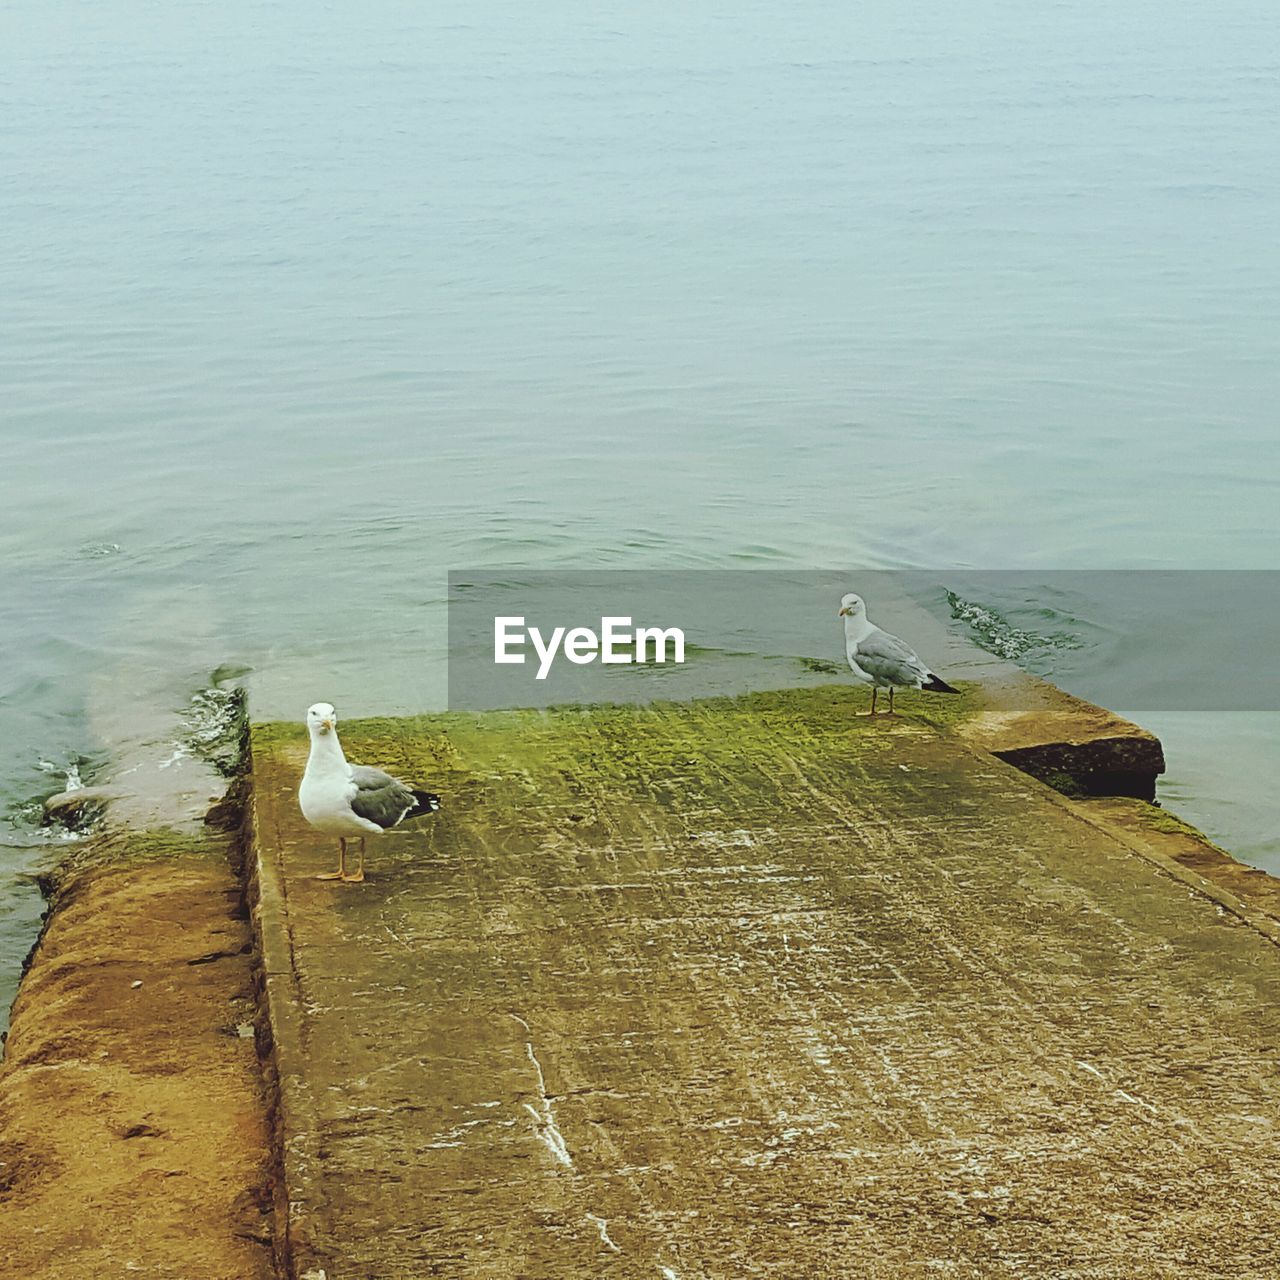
(844, 613)
(326, 724)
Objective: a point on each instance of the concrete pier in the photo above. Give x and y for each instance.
(134, 1112)
(134, 1135)
(758, 987)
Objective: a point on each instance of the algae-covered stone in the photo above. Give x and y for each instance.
(756, 986)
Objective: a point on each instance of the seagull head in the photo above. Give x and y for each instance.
(321, 718)
(851, 606)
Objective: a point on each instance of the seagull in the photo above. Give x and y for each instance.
(351, 801)
(880, 659)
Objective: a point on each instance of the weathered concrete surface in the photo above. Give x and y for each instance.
(1071, 744)
(133, 1116)
(758, 988)
(1156, 829)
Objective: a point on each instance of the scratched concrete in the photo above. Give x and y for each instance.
(757, 988)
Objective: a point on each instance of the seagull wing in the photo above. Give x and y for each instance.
(886, 658)
(379, 797)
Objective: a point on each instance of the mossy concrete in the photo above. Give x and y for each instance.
(134, 1136)
(1073, 746)
(757, 987)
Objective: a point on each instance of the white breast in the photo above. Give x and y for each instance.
(326, 804)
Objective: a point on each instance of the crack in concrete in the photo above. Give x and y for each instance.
(602, 1226)
(548, 1129)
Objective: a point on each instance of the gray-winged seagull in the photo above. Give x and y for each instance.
(351, 801)
(880, 659)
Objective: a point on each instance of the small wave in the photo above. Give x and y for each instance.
(33, 828)
(994, 632)
(70, 772)
(30, 823)
(212, 727)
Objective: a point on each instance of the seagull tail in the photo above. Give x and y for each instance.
(424, 802)
(936, 685)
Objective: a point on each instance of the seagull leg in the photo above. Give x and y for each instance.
(341, 873)
(891, 699)
(359, 873)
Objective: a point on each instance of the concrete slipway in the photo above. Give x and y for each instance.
(756, 987)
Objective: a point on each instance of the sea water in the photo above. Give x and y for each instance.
(304, 305)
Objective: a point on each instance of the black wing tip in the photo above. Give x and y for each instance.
(936, 685)
(426, 802)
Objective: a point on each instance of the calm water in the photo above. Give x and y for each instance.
(303, 305)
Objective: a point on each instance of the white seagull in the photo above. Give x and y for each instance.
(351, 801)
(880, 659)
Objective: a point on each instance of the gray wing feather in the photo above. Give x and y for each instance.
(379, 797)
(886, 658)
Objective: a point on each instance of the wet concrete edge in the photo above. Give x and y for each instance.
(281, 1049)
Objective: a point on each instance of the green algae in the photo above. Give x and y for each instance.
(622, 740)
(1157, 819)
(936, 710)
(533, 754)
(1062, 782)
(1163, 820)
(942, 710)
(140, 847)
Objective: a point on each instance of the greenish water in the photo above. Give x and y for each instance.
(303, 306)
